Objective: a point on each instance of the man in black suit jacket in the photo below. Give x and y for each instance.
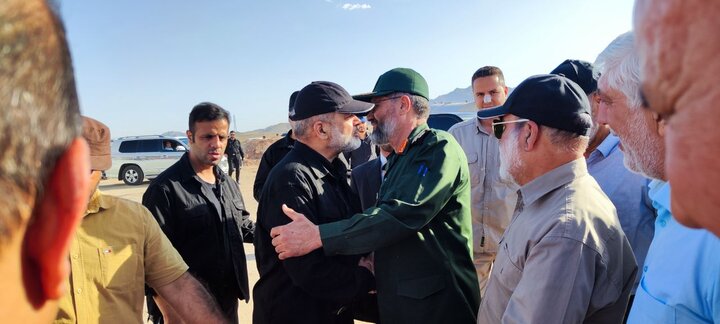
(367, 178)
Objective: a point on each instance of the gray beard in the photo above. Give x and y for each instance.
(381, 133)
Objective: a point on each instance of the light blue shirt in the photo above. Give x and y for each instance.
(681, 277)
(628, 192)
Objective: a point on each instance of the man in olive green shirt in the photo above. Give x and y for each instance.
(117, 249)
(564, 257)
(420, 228)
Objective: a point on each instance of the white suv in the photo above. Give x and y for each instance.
(135, 158)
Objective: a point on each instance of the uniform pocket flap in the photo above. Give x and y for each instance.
(472, 157)
(421, 287)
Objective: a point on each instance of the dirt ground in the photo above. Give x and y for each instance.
(247, 177)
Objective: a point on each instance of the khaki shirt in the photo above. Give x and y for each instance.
(493, 200)
(564, 257)
(117, 249)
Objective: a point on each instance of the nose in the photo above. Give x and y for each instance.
(371, 115)
(487, 98)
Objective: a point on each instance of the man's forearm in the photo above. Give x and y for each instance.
(191, 300)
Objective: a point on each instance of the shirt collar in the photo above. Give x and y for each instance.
(417, 133)
(480, 127)
(317, 163)
(288, 138)
(608, 145)
(188, 172)
(96, 203)
(552, 180)
(659, 193)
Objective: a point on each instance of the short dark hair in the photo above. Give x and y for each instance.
(206, 111)
(487, 71)
(37, 98)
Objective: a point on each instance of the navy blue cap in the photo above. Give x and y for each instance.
(580, 72)
(550, 100)
(322, 97)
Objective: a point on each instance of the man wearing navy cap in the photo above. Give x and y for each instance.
(564, 257)
(314, 288)
(420, 227)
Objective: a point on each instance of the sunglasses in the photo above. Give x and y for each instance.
(498, 126)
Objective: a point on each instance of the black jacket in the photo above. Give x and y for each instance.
(312, 288)
(234, 148)
(273, 154)
(187, 213)
(366, 182)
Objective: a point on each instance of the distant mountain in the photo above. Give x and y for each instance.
(459, 95)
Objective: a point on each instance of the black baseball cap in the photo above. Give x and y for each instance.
(398, 80)
(322, 97)
(548, 99)
(580, 72)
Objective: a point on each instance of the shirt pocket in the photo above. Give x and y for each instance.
(197, 220)
(508, 274)
(648, 309)
(476, 167)
(120, 267)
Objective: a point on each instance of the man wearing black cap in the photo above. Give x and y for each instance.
(564, 258)
(420, 228)
(310, 179)
(119, 248)
(274, 153)
(628, 191)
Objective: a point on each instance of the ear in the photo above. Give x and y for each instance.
(319, 129)
(531, 133)
(56, 216)
(406, 104)
(189, 135)
(506, 90)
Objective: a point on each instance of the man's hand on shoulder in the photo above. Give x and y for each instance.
(297, 238)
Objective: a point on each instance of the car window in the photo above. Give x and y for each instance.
(155, 145)
(129, 146)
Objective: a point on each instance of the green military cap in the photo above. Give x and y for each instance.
(397, 80)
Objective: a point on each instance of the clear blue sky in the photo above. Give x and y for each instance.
(142, 65)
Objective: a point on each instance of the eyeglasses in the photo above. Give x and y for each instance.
(498, 126)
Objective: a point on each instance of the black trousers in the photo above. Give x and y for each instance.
(234, 163)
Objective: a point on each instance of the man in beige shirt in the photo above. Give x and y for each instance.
(564, 257)
(119, 248)
(493, 199)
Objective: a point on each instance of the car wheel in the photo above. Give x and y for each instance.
(132, 175)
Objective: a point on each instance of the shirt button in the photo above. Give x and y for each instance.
(645, 269)
(74, 256)
(79, 291)
(662, 223)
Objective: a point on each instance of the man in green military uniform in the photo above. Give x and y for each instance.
(420, 228)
